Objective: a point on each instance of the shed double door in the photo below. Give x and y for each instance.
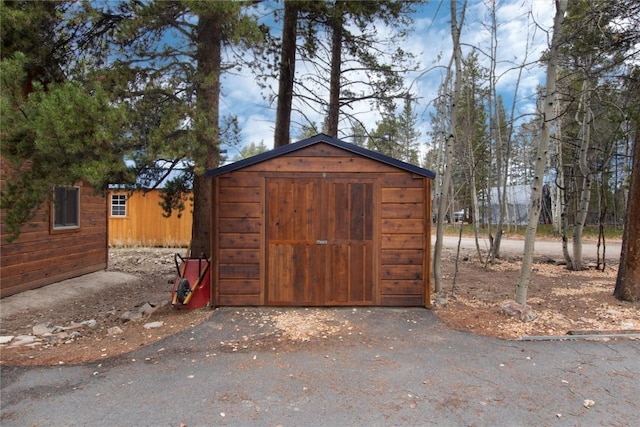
(320, 242)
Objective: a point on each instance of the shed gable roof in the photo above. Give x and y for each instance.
(321, 138)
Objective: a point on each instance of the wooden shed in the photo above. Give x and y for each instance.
(321, 222)
(136, 218)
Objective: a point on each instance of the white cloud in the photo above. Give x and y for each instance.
(258, 128)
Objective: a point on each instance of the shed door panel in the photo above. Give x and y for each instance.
(349, 272)
(293, 219)
(320, 242)
(294, 274)
(350, 210)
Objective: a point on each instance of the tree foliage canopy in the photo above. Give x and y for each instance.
(111, 92)
(55, 130)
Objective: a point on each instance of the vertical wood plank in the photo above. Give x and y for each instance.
(263, 242)
(427, 239)
(357, 279)
(357, 212)
(214, 277)
(369, 212)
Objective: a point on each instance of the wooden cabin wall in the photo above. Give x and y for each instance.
(41, 256)
(145, 225)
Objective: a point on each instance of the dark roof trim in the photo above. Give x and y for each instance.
(315, 140)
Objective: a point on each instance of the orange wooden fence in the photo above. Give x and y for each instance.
(135, 219)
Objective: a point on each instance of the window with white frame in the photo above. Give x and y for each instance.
(118, 205)
(66, 207)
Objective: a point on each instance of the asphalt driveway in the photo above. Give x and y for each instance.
(390, 367)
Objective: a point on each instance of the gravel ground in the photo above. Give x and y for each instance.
(563, 301)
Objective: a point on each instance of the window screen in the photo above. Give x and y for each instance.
(66, 207)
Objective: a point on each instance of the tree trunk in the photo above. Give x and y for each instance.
(207, 128)
(439, 132)
(473, 195)
(628, 281)
(562, 204)
(585, 170)
(503, 151)
(506, 141)
(558, 196)
(476, 214)
(448, 163)
(496, 136)
(287, 74)
(559, 185)
(333, 115)
(201, 229)
(543, 144)
(564, 226)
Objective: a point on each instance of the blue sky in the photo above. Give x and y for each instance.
(522, 36)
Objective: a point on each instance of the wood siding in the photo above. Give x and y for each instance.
(405, 240)
(238, 266)
(321, 226)
(145, 225)
(41, 256)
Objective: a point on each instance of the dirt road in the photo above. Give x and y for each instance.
(551, 248)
